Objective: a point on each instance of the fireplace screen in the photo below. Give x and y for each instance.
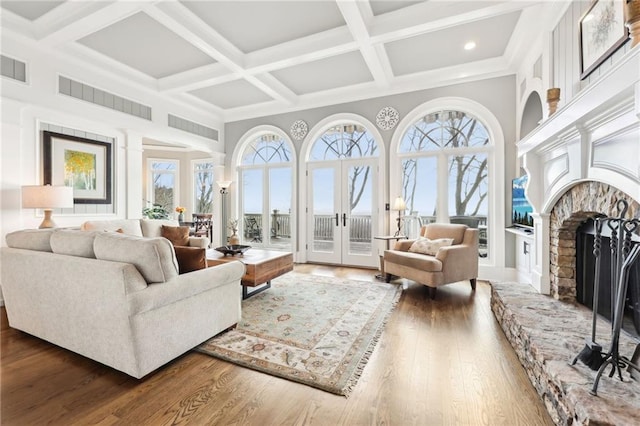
(585, 274)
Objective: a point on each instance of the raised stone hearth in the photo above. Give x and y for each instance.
(547, 334)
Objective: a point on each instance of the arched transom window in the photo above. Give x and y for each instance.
(344, 141)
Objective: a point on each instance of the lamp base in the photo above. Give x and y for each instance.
(47, 222)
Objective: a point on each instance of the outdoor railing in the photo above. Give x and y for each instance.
(324, 226)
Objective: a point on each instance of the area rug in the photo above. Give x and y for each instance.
(310, 329)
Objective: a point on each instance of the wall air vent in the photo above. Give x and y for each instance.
(13, 68)
(191, 127)
(84, 92)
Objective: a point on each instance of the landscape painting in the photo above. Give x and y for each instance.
(84, 164)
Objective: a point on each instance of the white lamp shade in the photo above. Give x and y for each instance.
(399, 204)
(47, 197)
(224, 184)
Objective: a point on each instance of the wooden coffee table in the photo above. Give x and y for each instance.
(261, 267)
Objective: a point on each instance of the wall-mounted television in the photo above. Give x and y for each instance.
(521, 209)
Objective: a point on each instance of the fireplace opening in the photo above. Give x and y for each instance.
(585, 278)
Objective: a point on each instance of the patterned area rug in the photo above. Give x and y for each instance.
(315, 330)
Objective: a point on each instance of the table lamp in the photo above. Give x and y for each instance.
(47, 197)
(400, 206)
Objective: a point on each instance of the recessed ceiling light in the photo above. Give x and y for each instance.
(470, 45)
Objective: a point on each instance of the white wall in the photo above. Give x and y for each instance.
(496, 94)
(26, 106)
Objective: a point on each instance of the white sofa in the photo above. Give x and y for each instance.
(140, 228)
(115, 298)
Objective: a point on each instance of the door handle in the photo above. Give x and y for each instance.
(344, 219)
(337, 219)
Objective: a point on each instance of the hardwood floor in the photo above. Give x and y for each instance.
(440, 362)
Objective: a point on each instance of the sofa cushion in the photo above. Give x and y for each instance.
(418, 261)
(31, 239)
(74, 242)
(190, 258)
(178, 235)
(424, 245)
(153, 227)
(128, 226)
(153, 257)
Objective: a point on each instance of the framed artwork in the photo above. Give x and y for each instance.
(602, 32)
(84, 164)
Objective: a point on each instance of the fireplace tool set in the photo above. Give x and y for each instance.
(624, 253)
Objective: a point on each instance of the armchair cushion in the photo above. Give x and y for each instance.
(416, 261)
(178, 235)
(424, 245)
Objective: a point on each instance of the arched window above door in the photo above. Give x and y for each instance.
(444, 129)
(266, 149)
(342, 141)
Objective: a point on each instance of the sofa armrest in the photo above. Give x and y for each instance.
(200, 242)
(186, 285)
(403, 245)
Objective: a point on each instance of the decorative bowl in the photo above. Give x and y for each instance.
(233, 249)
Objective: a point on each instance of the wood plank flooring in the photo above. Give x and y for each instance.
(441, 362)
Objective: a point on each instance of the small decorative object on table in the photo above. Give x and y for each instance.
(233, 249)
(180, 211)
(233, 226)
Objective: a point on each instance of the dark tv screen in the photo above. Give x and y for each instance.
(520, 208)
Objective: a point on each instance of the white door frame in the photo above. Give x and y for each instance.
(316, 131)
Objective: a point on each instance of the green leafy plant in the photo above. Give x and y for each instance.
(155, 212)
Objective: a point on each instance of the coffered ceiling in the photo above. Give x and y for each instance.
(243, 59)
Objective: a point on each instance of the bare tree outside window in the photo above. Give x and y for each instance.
(164, 184)
(203, 187)
(348, 141)
(464, 141)
(267, 192)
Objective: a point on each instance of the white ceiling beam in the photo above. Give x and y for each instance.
(273, 87)
(72, 20)
(204, 76)
(357, 18)
(434, 16)
(187, 25)
(306, 49)
(473, 71)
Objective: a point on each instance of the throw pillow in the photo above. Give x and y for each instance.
(190, 258)
(178, 235)
(426, 246)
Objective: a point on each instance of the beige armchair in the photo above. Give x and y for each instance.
(453, 263)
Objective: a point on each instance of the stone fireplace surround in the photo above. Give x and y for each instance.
(583, 201)
(580, 162)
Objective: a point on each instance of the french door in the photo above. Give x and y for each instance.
(342, 212)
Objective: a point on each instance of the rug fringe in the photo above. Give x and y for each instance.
(362, 363)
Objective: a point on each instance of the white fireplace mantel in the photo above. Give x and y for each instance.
(595, 136)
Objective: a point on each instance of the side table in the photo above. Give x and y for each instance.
(388, 239)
